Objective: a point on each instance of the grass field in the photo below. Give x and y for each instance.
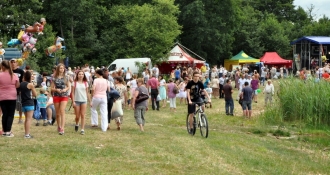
(235, 146)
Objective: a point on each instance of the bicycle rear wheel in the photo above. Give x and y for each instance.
(204, 126)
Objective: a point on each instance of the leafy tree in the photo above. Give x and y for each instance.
(208, 27)
(142, 31)
(273, 37)
(247, 37)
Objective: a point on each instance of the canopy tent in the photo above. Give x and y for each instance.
(238, 59)
(179, 56)
(307, 48)
(272, 58)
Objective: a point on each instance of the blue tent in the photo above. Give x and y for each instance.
(313, 39)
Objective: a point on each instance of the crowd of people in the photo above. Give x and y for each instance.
(111, 93)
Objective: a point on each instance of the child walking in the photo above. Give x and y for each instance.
(42, 99)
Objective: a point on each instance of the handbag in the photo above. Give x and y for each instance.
(141, 97)
(175, 90)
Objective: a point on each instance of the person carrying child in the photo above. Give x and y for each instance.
(42, 99)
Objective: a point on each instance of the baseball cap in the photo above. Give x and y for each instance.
(13, 59)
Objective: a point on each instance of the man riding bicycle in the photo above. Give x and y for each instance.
(194, 89)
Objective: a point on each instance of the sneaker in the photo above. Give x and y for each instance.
(58, 129)
(20, 121)
(45, 124)
(61, 132)
(49, 123)
(37, 124)
(231, 114)
(82, 132)
(227, 113)
(10, 135)
(76, 128)
(28, 136)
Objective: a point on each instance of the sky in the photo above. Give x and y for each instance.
(321, 6)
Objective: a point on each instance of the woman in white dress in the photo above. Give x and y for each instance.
(182, 91)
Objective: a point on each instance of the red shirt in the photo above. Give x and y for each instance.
(153, 83)
(325, 75)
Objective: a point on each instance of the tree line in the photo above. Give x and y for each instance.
(99, 31)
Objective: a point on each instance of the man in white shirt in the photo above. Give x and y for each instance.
(241, 82)
(248, 79)
(221, 71)
(221, 84)
(155, 71)
(269, 92)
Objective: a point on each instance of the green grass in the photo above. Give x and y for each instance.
(235, 146)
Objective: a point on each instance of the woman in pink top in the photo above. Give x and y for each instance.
(99, 94)
(171, 95)
(8, 83)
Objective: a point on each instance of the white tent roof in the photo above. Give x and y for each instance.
(177, 54)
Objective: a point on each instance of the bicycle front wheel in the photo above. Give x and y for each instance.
(204, 126)
(188, 125)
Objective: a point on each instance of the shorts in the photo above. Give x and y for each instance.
(59, 99)
(79, 103)
(18, 103)
(27, 108)
(192, 108)
(129, 101)
(246, 104)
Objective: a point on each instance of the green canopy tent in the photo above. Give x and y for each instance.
(238, 59)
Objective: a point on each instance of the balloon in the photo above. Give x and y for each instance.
(258, 90)
(37, 27)
(54, 48)
(13, 42)
(20, 62)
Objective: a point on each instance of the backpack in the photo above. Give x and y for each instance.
(36, 113)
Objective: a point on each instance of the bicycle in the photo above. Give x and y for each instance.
(200, 121)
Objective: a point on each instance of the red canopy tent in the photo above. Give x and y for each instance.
(272, 58)
(178, 56)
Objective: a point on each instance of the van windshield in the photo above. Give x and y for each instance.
(112, 67)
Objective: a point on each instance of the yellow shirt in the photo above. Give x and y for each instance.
(203, 69)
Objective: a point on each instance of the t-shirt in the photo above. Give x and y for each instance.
(42, 99)
(227, 91)
(325, 75)
(195, 88)
(20, 73)
(140, 90)
(26, 95)
(153, 83)
(254, 84)
(100, 88)
(8, 85)
(247, 93)
(177, 73)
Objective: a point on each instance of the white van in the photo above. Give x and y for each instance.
(129, 62)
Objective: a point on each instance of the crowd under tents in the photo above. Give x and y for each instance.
(179, 56)
(238, 60)
(273, 59)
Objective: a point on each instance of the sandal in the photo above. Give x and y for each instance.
(94, 126)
